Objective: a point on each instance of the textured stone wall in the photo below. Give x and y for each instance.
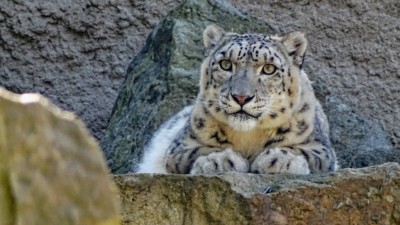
(74, 52)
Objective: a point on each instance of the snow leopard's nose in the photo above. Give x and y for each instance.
(242, 99)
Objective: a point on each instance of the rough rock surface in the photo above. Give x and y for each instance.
(74, 52)
(351, 196)
(163, 78)
(51, 170)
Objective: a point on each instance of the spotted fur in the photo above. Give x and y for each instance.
(255, 112)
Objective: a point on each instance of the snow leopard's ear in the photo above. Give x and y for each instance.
(212, 35)
(295, 44)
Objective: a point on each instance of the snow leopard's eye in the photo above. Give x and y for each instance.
(269, 69)
(225, 65)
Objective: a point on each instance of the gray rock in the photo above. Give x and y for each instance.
(358, 140)
(51, 170)
(163, 78)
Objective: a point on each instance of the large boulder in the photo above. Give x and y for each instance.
(51, 170)
(350, 196)
(163, 78)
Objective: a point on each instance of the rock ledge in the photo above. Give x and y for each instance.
(369, 195)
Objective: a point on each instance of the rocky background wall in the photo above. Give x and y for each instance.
(74, 52)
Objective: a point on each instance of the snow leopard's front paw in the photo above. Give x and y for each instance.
(278, 160)
(219, 162)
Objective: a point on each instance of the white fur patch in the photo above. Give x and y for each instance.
(242, 125)
(155, 152)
